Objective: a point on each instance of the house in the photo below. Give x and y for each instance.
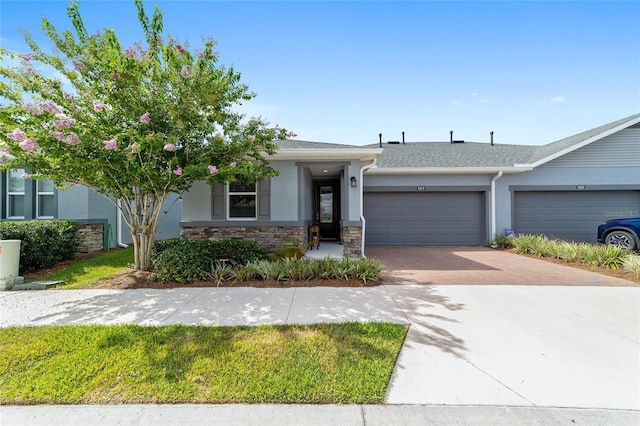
(428, 193)
(25, 199)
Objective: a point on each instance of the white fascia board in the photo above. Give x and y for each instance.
(445, 170)
(581, 144)
(326, 154)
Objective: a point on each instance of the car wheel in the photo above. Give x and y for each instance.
(621, 239)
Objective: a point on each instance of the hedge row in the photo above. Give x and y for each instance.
(44, 242)
(188, 261)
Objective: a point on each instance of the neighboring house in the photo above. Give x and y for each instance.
(25, 199)
(428, 193)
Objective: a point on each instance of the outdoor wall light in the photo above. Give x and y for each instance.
(354, 182)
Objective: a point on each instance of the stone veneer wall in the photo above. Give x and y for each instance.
(90, 238)
(352, 240)
(266, 236)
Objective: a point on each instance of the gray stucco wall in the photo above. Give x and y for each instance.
(284, 191)
(79, 202)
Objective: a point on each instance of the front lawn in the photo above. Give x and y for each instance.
(326, 363)
(87, 272)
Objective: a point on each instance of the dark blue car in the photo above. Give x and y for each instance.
(623, 233)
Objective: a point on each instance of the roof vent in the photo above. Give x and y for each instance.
(393, 142)
(457, 141)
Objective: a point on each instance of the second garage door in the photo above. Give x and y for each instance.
(425, 218)
(571, 215)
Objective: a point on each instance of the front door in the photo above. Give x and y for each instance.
(327, 208)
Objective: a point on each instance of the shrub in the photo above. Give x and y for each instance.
(238, 252)
(44, 242)
(183, 263)
(188, 261)
(503, 241)
(632, 263)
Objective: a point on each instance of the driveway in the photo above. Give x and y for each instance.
(479, 265)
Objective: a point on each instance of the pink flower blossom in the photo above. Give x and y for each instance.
(50, 107)
(170, 147)
(130, 52)
(58, 135)
(111, 144)
(251, 138)
(63, 122)
(78, 66)
(29, 144)
(97, 106)
(291, 135)
(72, 139)
(232, 164)
(17, 135)
(25, 176)
(200, 55)
(213, 170)
(68, 97)
(178, 171)
(7, 150)
(27, 57)
(184, 71)
(278, 128)
(144, 118)
(29, 71)
(33, 109)
(179, 48)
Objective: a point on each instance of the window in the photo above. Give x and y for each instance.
(45, 204)
(242, 201)
(15, 194)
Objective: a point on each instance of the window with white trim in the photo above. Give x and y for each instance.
(242, 201)
(45, 202)
(16, 194)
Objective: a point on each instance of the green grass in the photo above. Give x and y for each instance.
(87, 272)
(327, 363)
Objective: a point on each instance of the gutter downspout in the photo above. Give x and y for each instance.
(362, 169)
(493, 204)
(119, 226)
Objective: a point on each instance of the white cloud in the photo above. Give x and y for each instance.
(484, 101)
(554, 100)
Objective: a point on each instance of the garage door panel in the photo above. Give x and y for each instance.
(570, 215)
(425, 218)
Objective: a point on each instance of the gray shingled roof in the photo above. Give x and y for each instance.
(467, 154)
(295, 144)
(445, 154)
(550, 149)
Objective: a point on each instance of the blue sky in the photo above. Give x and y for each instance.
(334, 71)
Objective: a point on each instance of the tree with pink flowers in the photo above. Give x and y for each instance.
(136, 124)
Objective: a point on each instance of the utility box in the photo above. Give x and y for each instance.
(9, 258)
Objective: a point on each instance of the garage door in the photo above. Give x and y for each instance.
(571, 215)
(425, 219)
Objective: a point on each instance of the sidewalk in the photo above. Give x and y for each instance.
(303, 415)
(494, 353)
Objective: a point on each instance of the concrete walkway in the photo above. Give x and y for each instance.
(492, 346)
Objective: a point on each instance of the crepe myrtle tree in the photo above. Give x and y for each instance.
(135, 124)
